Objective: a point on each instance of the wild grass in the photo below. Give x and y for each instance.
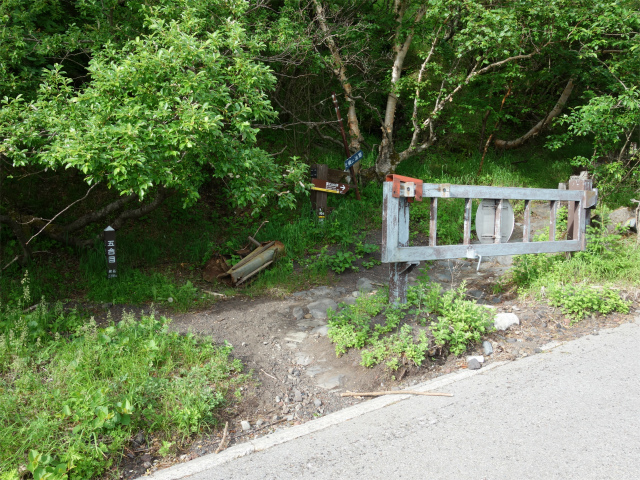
(72, 395)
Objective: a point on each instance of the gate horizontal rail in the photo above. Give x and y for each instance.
(399, 192)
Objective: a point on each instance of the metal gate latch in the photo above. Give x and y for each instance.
(410, 188)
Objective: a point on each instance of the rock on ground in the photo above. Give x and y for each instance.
(318, 309)
(298, 313)
(364, 285)
(479, 358)
(473, 364)
(622, 216)
(502, 321)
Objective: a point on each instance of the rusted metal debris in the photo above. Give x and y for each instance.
(219, 267)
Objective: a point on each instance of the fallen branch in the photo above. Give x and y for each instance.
(395, 392)
(224, 437)
(11, 262)
(269, 375)
(214, 293)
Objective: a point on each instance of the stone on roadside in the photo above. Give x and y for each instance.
(479, 358)
(259, 423)
(502, 321)
(318, 309)
(317, 402)
(297, 396)
(364, 285)
(298, 313)
(355, 294)
(475, 293)
(487, 347)
(278, 399)
(473, 364)
(246, 426)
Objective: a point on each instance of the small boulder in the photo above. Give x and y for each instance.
(502, 321)
(623, 217)
(487, 347)
(473, 364)
(364, 285)
(479, 358)
(319, 308)
(246, 426)
(298, 313)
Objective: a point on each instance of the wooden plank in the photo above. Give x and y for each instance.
(433, 222)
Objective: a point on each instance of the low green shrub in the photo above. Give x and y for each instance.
(461, 322)
(576, 302)
(137, 287)
(608, 258)
(384, 334)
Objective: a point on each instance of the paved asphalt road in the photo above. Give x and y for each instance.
(572, 412)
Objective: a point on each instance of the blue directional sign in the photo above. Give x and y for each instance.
(352, 160)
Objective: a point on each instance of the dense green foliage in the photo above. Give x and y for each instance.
(72, 401)
(170, 107)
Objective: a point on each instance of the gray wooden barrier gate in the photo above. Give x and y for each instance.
(399, 192)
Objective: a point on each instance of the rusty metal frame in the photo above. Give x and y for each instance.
(395, 224)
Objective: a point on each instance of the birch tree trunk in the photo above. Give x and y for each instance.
(387, 156)
(339, 69)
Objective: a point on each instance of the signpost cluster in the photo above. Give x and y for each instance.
(326, 180)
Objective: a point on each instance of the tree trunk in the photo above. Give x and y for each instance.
(509, 144)
(340, 71)
(17, 231)
(387, 156)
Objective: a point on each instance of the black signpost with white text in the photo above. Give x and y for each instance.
(110, 251)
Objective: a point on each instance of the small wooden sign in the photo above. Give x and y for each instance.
(329, 187)
(110, 251)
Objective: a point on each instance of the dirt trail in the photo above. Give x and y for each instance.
(299, 377)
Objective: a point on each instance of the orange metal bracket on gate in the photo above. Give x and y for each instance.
(396, 179)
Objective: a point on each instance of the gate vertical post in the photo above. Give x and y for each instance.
(395, 233)
(578, 217)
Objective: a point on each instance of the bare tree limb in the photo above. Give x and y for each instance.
(538, 127)
(143, 210)
(99, 214)
(61, 212)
